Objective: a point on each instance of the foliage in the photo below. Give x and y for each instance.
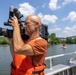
(70, 40)
(53, 39)
(3, 41)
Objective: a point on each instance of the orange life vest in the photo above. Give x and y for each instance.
(21, 65)
(25, 67)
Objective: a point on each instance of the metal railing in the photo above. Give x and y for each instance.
(56, 56)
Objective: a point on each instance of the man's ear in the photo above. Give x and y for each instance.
(37, 24)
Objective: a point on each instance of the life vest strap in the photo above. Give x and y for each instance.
(38, 72)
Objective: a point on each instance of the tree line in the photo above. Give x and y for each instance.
(52, 39)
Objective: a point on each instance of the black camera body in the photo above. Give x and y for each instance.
(9, 33)
(14, 12)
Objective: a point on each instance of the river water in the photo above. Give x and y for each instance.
(5, 56)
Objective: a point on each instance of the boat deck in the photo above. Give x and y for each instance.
(62, 69)
(58, 68)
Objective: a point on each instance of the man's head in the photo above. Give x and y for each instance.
(32, 24)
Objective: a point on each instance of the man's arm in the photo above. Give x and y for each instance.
(19, 46)
(11, 46)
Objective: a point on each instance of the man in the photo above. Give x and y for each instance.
(28, 56)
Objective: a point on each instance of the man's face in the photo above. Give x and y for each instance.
(29, 27)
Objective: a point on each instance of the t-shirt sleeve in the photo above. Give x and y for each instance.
(39, 46)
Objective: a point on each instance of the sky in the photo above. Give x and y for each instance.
(58, 15)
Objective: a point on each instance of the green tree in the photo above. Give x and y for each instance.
(3, 41)
(53, 39)
(69, 40)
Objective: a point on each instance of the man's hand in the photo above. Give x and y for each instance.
(14, 22)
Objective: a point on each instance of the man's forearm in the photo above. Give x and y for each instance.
(11, 47)
(18, 42)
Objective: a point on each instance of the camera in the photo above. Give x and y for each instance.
(9, 32)
(14, 12)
